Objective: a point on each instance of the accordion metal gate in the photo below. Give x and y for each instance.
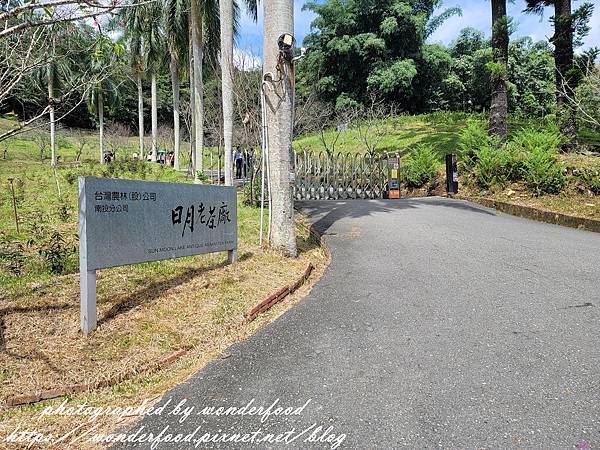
(325, 176)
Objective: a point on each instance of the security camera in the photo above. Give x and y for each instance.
(286, 44)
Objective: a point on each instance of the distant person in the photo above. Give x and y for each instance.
(248, 162)
(239, 162)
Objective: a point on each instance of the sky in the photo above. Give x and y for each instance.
(476, 14)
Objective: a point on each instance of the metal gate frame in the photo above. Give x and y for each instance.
(340, 176)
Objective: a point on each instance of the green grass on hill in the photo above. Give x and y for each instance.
(402, 133)
(27, 146)
(394, 134)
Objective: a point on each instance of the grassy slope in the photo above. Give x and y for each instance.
(395, 134)
(400, 134)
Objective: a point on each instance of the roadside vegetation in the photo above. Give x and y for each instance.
(528, 168)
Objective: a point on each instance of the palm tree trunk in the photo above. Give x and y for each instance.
(52, 124)
(192, 119)
(499, 104)
(140, 114)
(279, 19)
(563, 61)
(154, 116)
(176, 127)
(226, 16)
(197, 37)
(101, 123)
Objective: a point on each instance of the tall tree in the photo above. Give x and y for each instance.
(54, 74)
(227, 25)
(278, 70)
(228, 10)
(177, 31)
(133, 20)
(204, 26)
(568, 29)
(51, 77)
(499, 69)
(106, 52)
(154, 50)
(357, 48)
(196, 17)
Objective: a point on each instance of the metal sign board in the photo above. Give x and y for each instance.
(131, 221)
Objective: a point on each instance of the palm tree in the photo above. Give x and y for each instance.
(196, 18)
(229, 12)
(51, 76)
(204, 26)
(177, 31)
(106, 53)
(154, 49)
(279, 20)
(499, 104)
(133, 21)
(227, 26)
(52, 81)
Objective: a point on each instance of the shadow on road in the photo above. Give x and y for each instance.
(333, 210)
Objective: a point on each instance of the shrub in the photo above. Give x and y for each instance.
(513, 161)
(528, 139)
(542, 172)
(489, 167)
(12, 255)
(591, 178)
(252, 198)
(125, 167)
(63, 212)
(540, 169)
(473, 139)
(71, 178)
(201, 175)
(420, 166)
(56, 252)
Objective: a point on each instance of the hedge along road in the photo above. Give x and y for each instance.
(439, 324)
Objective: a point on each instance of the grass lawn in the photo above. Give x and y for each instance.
(34, 145)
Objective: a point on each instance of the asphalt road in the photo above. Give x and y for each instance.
(439, 324)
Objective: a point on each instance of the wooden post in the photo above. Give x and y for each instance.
(14, 201)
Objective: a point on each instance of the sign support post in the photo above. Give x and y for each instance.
(231, 256)
(87, 279)
(451, 174)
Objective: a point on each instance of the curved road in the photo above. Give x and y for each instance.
(439, 324)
